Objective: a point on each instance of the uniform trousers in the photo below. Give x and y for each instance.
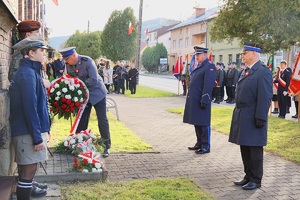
(132, 87)
(103, 125)
(203, 136)
(282, 103)
(252, 157)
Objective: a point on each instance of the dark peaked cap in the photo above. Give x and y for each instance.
(200, 50)
(250, 46)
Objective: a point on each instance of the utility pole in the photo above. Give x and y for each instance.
(139, 37)
(88, 28)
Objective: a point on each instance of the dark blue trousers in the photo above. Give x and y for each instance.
(203, 136)
(103, 125)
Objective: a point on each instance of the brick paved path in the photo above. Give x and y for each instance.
(213, 172)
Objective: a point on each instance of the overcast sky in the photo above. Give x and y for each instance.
(72, 15)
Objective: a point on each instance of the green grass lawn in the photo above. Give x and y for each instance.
(146, 92)
(123, 140)
(283, 135)
(167, 189)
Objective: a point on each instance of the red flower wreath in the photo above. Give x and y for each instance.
(66, 95)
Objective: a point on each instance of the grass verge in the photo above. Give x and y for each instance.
(123, 140)
(167, 189)
(283, 135)
(146, 92)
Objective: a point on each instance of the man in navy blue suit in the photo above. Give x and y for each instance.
(198, 102)
(249, 123)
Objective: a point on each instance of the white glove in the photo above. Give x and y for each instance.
(47, 83)
(285, 93)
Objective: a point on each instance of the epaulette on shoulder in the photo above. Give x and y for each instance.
(84, 58)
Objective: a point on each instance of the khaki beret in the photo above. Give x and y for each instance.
(28, 26)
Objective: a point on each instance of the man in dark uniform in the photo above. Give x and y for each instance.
(121, 71)
(222, 89)
(243, 67)
(284, 79)
(218, 83)
(198, 102)
(232, 79)
(59, 67)
(250, 116)
(85, 69)
(115, 76)
(132, 74)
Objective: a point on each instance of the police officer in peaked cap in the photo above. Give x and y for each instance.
(198, 102)
(249, 123)
(85, 69)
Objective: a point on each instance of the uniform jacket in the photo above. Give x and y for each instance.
(58, 65)
(132, 74)
(232, 77)
(14, 65)
(200, 91)
(86, 70)
(285, 75)
(28, 102)
(253, 98)
(219, 77)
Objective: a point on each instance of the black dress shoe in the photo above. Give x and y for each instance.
(106, 153)
(37, 192)
(251, 186)
(202, 151)
(295, 116)
(40, 185)
(282, 117)
(194, 148)
(241, 183)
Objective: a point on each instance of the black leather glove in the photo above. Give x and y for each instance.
(259, 123)
(203, 105)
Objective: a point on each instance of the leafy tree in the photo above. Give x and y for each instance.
(86, 43)
(275, 24)
(151, 56)
(116, 43)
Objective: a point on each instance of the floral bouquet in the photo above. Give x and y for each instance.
(88, 161)
(80, 142)
(66, 96)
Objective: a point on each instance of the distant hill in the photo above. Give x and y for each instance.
(57, 42)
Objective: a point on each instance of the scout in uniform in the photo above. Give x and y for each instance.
(198, 102)
(250, 116)
(29, 117)
(85, 69)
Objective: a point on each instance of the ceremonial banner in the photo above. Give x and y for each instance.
(178, 67)
(295, 80)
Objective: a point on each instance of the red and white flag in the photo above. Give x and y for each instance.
(295, 80)
(130, 28)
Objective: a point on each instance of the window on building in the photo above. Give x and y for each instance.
(220, 58)
(186, 42)
(230, 58)
(155, 37)
(174, 44)
(180, 31)
(187, 30)
(180, 43)
(213, 58)
(238, 58)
